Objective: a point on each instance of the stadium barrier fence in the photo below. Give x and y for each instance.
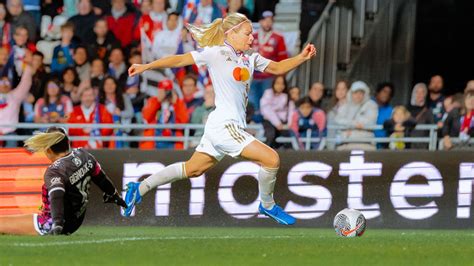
(188, 139)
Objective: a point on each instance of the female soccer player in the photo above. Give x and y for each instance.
(65, 190)
(226, 53)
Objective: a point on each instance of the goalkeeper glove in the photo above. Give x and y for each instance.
(115, 198)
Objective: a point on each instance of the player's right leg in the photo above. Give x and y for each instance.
(198, 164)
(23, 224)
(269, 161)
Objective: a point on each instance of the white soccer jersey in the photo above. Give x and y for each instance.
(231, 74)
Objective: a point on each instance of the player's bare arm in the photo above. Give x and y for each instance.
(282, 67)
(165, 62)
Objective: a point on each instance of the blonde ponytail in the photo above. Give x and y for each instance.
(214, 33)
(42, 141)
(208, 35)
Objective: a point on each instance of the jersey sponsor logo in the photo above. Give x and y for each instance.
(79, 174)
(241, 74)
(56, 181)
(77, 162)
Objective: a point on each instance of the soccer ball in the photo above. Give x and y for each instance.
(349, 223)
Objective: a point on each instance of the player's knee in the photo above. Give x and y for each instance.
(194, 172)
(273, 161)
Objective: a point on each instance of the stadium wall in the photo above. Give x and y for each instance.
(412, 189)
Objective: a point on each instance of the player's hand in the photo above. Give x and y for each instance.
(56, 229)
(136, 69)
(115, 198)
(308, 52)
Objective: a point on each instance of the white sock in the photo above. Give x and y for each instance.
(266, 184)
(169, 174)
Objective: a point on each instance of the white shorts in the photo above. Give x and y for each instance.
(224, 139)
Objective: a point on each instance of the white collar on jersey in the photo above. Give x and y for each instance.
(232, 48)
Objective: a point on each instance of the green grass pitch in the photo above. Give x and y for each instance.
(239, 246)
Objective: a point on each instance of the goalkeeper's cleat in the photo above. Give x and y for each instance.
(132, 197)
(277, 214)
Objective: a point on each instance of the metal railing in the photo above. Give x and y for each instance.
(456, 141)
(339, 30)
(257, 129)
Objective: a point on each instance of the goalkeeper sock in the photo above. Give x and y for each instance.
(266, 184)
(169, 174)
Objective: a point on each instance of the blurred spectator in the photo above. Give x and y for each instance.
(460, 124)
(27, 114)
(294, 93)
(50, 32)
(307, 117)
(400, 125)
(316, 94)
(101, 7)
(118, 105)
(3, 61)
(70, 83)
(81, 63)
(40, 78)
(5, 27)
(261, 6)
(21, 18)
(84, 21)
(420, 112)
(16, 61)
(449, 103)
(383, 95)
(294, 96)
(190, 89)
(145, 7)
(53, 107)
(154, 22)
(63, 53)
(337, 100)
(203, 13)
(114, 100)
(270, 45)
(122, 22)
(102, 41)
(167, 41)
(52, 8)
(132, 88)
(358, 112)
(117, 66)
(97, 73)
(33, 7)
(89, 112)
(10, 101)
(436, 97)
(166, 108)
(469, 86)
(201, 113)
(276, 109)
(70, 8)
(237, 6)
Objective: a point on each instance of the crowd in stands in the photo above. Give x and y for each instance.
(67, 61)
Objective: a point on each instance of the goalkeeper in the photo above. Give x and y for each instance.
(65, 191)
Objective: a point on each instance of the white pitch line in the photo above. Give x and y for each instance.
(125, 239)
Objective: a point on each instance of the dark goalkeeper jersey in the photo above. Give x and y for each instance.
(73, 175)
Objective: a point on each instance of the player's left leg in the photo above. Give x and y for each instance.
(269, 161)
(22, 224)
